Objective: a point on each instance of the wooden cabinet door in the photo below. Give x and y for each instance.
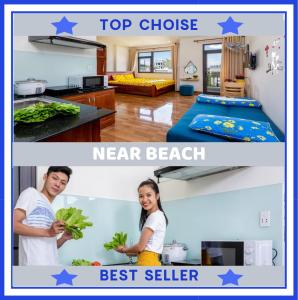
(105, 99)
(83, 98)
(100, 99)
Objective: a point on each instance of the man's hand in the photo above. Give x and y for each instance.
(56, 228)
(66, 236)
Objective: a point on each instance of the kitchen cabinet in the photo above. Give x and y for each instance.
(99, 99)
(89, 132)
(84, 127)
(101, 61)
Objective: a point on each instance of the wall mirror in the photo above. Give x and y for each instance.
(190, 68)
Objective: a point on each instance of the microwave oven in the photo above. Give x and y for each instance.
(88, 81)
(236, 253)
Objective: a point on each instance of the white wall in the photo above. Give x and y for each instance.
(117, 55)
(119, 183)
(268, 88)
(122, 182)
(228, 181)
(191, 51)
(122, 55)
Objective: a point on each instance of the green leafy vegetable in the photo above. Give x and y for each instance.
(75, 222)
(80, 262)
(40, 112)
(119, 239)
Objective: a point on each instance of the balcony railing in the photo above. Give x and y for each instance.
(213, 79)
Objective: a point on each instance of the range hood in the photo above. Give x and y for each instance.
(187, 173)
(67, 41)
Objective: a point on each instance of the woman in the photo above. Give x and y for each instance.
(153, 223)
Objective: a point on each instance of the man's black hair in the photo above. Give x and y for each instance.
(63, 169)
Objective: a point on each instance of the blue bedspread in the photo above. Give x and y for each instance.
(182, 133)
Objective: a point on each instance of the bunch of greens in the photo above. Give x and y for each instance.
(84, 262)
(80, 262)
(40, 112)
(75, 222)
(119, 239)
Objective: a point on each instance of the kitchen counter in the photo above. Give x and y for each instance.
(100, 97)
(83, 127)
(65, 90)
(187, 262)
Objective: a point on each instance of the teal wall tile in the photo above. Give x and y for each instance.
(227, 216)
(55, 68)
(108, 216)
(223, 216)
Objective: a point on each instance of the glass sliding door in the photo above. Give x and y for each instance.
(211, 68)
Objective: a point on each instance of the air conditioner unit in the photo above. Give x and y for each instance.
(187, 173)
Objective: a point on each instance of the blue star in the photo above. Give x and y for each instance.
(64, 278)
(230, 278)
(64, 26)
(230, 26)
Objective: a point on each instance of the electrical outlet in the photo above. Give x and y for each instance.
(265, 220)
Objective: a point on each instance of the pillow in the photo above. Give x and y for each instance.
(248, 102)
(118, 77)
(234, 128)
(128, 76)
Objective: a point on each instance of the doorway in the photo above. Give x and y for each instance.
(211, 68)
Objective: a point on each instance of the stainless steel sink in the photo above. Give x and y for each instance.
(18, 104)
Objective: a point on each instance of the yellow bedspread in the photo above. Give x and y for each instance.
(159, 83)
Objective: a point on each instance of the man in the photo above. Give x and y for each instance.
(34, 220)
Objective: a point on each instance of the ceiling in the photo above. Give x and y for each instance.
(138, 41)
(143, 41)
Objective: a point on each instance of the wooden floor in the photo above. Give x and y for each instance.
(145, 119)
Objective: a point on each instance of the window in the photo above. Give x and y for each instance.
(155, 62)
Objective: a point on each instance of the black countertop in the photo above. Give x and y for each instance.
(35, 132)
(187, 262)
(64, 90)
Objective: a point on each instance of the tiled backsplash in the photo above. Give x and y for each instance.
(227, 215)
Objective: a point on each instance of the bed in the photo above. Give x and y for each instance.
(151, 89)
(182, 133)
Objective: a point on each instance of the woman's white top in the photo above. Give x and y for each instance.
(156, 221)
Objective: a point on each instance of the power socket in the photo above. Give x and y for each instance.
(265, 220)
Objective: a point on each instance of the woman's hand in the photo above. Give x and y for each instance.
(121, 249)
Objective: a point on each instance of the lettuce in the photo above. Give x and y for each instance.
(40, 112)
(119, 239)
(75, 222)
(81, 262)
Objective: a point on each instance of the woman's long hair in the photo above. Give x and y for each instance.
(144, 215)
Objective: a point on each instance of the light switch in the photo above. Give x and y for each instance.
(265, 220)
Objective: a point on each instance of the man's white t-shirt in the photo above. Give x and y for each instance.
(39, 214)
(156, 221)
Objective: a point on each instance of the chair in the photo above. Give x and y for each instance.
(234, 89)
